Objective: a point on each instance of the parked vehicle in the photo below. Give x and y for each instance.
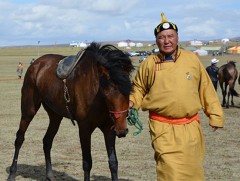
(142, 53)
(155, 50)
(132, 54)
(142, 59)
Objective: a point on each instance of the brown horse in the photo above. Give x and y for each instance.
(228, 75)
(98, 91)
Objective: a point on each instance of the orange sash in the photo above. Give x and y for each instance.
(170, 120)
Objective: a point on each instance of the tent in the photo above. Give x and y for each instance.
(132, 44)
(139, 44)
(190, 48)
(225, 41)
(201, 52)
(234, 50)
(83, 45)
(122, 44)
(196, 43)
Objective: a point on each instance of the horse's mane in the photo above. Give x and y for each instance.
(116, 61)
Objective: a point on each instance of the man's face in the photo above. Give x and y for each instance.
(167, 41)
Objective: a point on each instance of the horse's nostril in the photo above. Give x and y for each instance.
(121, 135)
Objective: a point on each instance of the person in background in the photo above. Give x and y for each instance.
(173, 86)
(212, 71)
(20, 70)
(31, 62)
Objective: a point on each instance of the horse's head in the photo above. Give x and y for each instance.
(114, 74)
(117, 104)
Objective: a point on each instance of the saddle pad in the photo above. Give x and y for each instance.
(66, 65)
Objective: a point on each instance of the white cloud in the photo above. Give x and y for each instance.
(201, 28)
(27, 21)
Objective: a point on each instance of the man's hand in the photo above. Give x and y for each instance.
(130, 104)
(214, 128)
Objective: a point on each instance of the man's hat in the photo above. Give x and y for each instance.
(214, 60)
(165, 25)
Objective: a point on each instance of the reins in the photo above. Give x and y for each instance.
(133, 119)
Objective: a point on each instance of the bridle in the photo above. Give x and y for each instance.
(116, 114)
(132, 118)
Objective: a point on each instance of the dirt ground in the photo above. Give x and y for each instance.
(135, 154)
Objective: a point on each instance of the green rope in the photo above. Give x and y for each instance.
(133, 119)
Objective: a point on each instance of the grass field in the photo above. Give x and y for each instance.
(135, 154)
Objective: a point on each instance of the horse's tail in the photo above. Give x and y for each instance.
(234, 92)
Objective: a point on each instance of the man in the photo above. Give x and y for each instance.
(174, 86)
(212, 71)
(33, 59)
(20, 70)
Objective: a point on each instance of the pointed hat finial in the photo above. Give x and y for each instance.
(164, 19)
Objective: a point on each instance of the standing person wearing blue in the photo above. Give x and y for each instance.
(212, 71)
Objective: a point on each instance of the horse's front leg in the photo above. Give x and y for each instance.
(110, 139)
(85, 133)
(52, 130)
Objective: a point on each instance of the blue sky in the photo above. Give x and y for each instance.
(25, 22)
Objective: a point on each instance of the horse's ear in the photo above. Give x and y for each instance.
(103, 72)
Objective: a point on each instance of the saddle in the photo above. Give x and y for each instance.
(66, 65)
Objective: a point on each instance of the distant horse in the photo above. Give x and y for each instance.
(228, 75)
(97, 90)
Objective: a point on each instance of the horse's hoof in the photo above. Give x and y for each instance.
(11, 178)
(50, 179)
